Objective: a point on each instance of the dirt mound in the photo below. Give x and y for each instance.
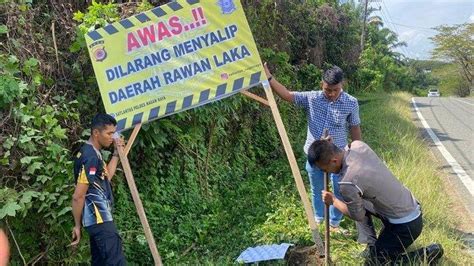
(303, 255)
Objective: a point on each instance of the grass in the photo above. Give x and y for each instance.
(266, 209)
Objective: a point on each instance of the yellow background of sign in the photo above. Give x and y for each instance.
(115, 45)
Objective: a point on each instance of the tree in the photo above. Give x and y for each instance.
(455, 44)
(380, 68)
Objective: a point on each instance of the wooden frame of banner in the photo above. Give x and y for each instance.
(123, 154)
(270, 101)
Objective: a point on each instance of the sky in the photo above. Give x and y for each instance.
(412, 20)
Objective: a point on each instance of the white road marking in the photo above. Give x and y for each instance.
(459, 100)
(463, 176)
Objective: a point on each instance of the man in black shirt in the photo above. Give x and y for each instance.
(92, 200)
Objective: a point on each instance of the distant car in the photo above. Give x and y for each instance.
(433, 93)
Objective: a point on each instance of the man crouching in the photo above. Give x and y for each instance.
(368, 189)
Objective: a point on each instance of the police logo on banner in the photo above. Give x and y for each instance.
(227, 6)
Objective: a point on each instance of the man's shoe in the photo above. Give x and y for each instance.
(429, 255)
(433, 253)
(339, 230)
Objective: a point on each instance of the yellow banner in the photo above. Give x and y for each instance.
(172, 58)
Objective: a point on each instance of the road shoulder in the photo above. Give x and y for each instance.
(452, 186)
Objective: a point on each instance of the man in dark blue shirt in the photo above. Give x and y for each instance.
(93, 199)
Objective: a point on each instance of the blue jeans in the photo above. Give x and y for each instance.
(316, 179)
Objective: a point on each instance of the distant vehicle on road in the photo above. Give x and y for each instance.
(433, 93)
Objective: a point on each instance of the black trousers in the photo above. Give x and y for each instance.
(106, 244)
(393, 239)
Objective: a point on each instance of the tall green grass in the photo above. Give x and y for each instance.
(388, 128)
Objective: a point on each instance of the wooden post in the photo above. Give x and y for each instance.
(327, 259)
(326, 224)
(136, 197)
(294, 167)
(255, 97)
(131, 140)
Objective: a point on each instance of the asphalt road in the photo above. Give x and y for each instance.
(452, 121)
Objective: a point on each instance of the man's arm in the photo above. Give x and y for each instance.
(4, 249)
(352, 206)
(354, 122)
(112, 165)
(330, 199)
(78, 200)
(281, 90)
(356, 133)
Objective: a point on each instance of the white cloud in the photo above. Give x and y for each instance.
(407, 35)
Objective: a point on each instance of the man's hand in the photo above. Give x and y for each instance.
(267, 72)
(76, 236)
(326, 135)
(118, 142)
(277, 87)
(328, 197)
(112, 165)
(328, 138)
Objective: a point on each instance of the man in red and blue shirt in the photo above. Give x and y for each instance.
(93, 200)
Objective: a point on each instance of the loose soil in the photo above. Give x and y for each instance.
(303, 255)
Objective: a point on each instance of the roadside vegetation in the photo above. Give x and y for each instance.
(213, 180)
